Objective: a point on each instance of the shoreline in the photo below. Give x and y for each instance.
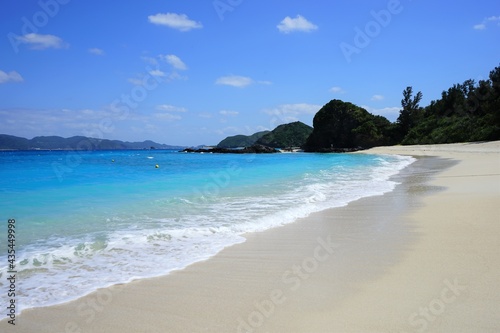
(306, 276)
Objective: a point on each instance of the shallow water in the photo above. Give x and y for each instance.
(92, 219)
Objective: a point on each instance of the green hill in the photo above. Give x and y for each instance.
(287, 135)
(13, 142)
(341, 124)
(74, 143)
(241, 140)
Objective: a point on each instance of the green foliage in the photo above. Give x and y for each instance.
(287, 135)
(466, 112)
(241, 140)
(410, 114)
(344, 125)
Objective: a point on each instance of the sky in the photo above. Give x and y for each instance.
(192, 72)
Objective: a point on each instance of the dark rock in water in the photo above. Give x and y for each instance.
(255, 149)
(337, 150)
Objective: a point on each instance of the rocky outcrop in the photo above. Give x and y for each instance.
(255, 149)
(341, 126)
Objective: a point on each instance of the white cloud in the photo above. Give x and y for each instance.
(287, 113)
(136, 81)
(299, 23)
(228, 113)
(175, 21)
(483, 25)
(389, 112)
(294, 109)
(377, 98)
(234, 80)
(205, 115)
(41, 42)
(96, 51)
(337, 90)
(170, 108)
(174, 61)
(150, 60)
(493, 19)
(176, 76)
(157, 73)
(11, 76)
(230, 130)
(167, 116)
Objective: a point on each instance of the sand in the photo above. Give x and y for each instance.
(423, 258)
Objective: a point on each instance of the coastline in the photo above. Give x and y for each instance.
(365, 267)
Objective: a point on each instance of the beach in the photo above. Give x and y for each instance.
(422, 258)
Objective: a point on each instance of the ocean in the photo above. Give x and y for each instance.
(87, 220)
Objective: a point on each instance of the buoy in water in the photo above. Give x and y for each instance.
(157, 166)
(113, 161)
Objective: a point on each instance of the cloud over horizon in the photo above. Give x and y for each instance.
(102, 123)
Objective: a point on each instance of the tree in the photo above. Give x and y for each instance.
(410, 113)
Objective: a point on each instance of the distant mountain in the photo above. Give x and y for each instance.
(13, 142)
(241, 140)
(287, 135)
(75, 143)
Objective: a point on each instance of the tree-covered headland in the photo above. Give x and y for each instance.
(465, 112)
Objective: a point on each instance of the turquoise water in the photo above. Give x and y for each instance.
(92, 219)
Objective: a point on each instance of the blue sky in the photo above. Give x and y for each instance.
(195, 71)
